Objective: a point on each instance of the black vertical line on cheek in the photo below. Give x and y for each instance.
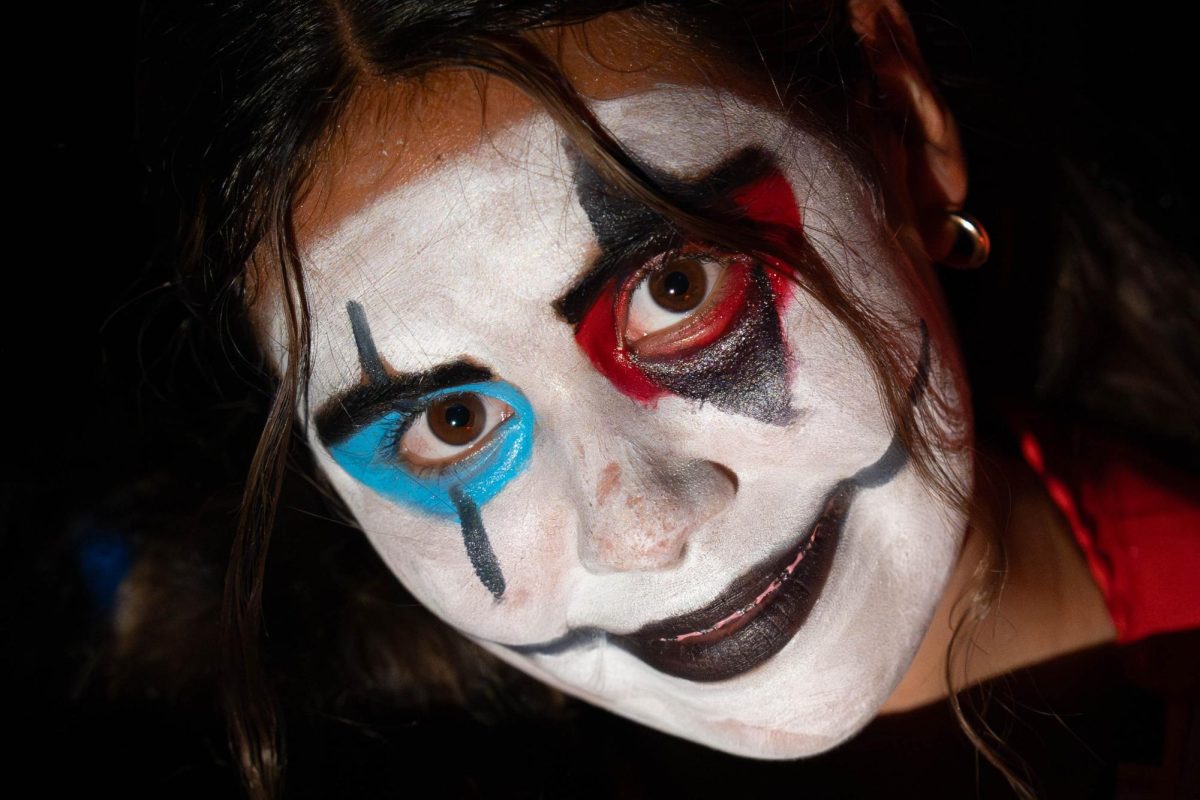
(475, 538)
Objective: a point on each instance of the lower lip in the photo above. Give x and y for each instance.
(756, 617)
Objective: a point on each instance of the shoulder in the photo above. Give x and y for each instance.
(1136, 520)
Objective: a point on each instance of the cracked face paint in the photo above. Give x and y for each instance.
(692, 502)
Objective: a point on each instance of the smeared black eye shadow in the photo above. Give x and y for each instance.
(745, 372)
(383, 391)
(626, 230)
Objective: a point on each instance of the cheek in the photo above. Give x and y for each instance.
(427, 553)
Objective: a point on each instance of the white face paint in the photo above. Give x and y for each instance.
(596, 495)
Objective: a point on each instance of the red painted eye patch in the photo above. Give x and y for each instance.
(600, 334)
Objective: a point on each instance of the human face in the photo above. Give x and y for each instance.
(654, 474)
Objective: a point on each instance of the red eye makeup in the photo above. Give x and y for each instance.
(689, 320)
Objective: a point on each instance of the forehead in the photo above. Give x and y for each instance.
(466, 257)
(394, 131)
(446, 264)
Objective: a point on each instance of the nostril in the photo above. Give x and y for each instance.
(704, 488)
(714, 492)
(729, 474)
(699, 476)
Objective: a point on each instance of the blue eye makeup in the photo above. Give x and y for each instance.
(444, 441)
(375, 454)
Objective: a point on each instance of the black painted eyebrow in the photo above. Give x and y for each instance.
(350, 410)
(627, 231)
(383, 390)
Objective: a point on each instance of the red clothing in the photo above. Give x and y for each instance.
(1137, 522)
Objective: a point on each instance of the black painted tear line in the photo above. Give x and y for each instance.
(475, 538)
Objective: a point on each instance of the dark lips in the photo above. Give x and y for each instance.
(755, 617)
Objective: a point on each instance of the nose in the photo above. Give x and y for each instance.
(642, 515)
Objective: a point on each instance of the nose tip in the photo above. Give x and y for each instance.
(646, 523)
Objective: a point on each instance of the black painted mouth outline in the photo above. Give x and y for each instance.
(761, 610)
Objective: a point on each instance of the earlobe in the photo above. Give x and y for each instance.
(923, 139)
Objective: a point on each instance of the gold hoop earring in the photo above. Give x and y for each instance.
(971, 243)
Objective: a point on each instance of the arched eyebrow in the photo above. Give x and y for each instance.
(382, 390)
(627, 231)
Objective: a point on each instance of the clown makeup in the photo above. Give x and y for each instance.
(443, 441)
(645, 469)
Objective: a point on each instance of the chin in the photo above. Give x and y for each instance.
(743, 739)
(738, 720)
(764, 739)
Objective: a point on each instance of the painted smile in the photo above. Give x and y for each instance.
(755, 617)
(763, 609)
(757, 614)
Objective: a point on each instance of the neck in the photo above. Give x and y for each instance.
(1048, 605)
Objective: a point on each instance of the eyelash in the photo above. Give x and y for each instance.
(627, 285)
(374, 455)
(643, 268)
(391, 444)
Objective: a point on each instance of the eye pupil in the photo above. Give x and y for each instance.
(676, 283)
(680, 285)
(457, 419)
(458, 416)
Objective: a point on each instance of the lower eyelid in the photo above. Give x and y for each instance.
(441, 466)
(502, 453)
(719, 269)
(705, 324)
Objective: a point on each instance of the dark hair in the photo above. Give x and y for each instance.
(286, 73)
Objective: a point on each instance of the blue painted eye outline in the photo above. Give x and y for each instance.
(418, 413)
(369, 454)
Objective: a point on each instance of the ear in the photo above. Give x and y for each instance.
(920, 145)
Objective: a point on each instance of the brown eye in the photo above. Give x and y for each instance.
(451, 428)
(672, 294)
(457, 419)
(680, 285)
